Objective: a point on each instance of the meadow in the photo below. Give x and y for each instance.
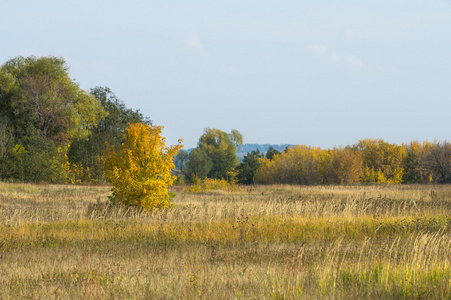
(260, 242)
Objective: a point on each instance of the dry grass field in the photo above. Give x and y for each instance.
(272, 242)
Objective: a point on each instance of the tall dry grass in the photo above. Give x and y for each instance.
(273, 242)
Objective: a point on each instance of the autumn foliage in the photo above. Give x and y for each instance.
(210, 184)
(311, 165)
(383, 162)
(140, 171)
(372, 161)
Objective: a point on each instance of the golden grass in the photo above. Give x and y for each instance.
(273, 242)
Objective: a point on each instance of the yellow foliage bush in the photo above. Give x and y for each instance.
(384, 162)
(140, 171)
(78, 174)
(212, 184)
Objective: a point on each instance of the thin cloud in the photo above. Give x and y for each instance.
(353, 63)
(194, 45)
(325, 55)
(347, 34)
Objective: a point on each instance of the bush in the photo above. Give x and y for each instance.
(140, 171)
(212, 184)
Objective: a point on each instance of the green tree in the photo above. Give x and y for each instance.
(34, 158)
(221, 148)
(43, 110)
(6, 144)
(199, 165)
(39, 91)
(250, 164)
(271, 153)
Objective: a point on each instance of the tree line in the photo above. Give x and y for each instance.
(50, 129)
(368, 161)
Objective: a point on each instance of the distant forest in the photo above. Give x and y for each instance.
(263, 148)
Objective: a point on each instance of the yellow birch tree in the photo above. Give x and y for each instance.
(140, 171)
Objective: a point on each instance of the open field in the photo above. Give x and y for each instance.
(273, 242)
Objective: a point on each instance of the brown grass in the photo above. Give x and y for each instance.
(273, 242)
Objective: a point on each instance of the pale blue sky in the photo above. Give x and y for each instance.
(319, 73)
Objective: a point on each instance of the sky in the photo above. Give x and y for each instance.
(319, 73)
